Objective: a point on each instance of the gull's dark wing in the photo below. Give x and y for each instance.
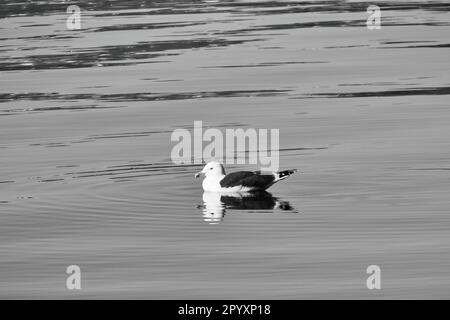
(254, 180)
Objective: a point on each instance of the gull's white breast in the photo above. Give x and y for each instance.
(211, 184)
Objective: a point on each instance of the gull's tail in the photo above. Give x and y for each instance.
(280, 175)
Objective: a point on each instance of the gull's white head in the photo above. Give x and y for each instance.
(212, 168)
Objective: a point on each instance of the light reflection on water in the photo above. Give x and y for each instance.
(215, 204)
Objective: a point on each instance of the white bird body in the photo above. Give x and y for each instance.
(212, 183)
(243, 181)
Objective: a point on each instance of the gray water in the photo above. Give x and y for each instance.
(86, 176)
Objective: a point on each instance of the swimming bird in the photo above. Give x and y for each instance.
(241, 181)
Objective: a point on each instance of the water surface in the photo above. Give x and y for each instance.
(86, 177)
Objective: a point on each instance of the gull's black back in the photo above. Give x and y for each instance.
(254, 180)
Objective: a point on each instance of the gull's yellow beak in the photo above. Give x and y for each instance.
(198, 174)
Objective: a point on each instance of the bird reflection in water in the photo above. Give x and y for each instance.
(215, 204)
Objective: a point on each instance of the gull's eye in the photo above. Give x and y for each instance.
(210, 168)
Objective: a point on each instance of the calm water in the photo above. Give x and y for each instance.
(85, 170)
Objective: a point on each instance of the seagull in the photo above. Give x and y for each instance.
(241, 181)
